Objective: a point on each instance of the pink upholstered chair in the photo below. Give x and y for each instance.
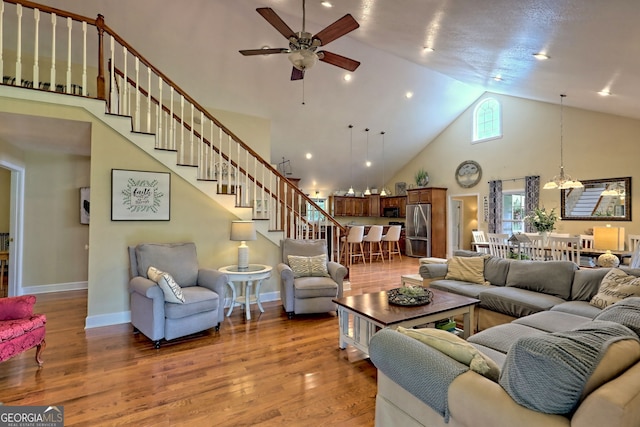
(20, 328)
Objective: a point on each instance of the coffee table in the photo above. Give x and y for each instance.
(372, 312)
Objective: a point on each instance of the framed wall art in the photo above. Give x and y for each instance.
(85, 200)
(401, 188)
(140, 196)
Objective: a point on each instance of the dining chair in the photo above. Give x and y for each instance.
(481, 242)
(633, 241)
(565, 249)
(533, 249)
(499, 244)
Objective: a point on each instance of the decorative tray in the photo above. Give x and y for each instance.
(410, 296)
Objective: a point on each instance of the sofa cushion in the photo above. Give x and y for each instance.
(198, 299)
(579, 308)
(456, 348)
(548, 277)
(19, 307)
(625, 312)
(313, 287)
(466, 269)
(178, 259)
(461, 288)
(586, 283)
(616, 285)
(548, 372)
(516, 302)
(308, 266)
(552, 321)
(496, 270)
(501, 337)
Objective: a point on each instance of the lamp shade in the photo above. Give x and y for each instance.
(242, 231)
(608, 238)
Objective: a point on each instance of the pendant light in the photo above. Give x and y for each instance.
(367, 163)
(562, 181)
(351, 192)
(383, 192)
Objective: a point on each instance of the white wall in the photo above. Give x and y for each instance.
(596, 145)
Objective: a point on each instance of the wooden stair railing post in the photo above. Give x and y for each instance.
(100, 83)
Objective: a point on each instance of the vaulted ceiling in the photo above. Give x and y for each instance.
(477, 47)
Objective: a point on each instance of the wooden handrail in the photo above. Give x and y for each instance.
(102, 27)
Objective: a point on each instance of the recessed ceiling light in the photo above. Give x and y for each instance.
(308, 155)
(265, 47)
(347, 77)
(497, 78)
(326, 4)
(427, 49)
(604, 92)
(409, 95)
(541, 56)
(368, 163)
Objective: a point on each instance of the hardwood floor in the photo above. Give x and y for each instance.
(266, 371)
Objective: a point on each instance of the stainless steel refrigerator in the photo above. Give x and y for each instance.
(418, 230)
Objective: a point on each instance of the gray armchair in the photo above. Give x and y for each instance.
(203, 290)
(308, 294)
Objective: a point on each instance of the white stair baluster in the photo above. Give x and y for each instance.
(18, 81)
(69, 26)
(36, 45)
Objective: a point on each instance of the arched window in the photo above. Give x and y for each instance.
(486, 120)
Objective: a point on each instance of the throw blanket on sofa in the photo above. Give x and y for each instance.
(548, 372)
(421, 370)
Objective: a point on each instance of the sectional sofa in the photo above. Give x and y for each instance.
(556, 370)
(547, 355)
(510, 289)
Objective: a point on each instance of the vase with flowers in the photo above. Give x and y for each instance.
(543, 222)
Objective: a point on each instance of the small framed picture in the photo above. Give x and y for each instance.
(140, 196)
(401, 188)
(85, 193)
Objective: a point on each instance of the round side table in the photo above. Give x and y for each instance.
(254, 274)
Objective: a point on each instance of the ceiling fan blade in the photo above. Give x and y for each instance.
(277, 22)
(297, 74)
(248, 52)
(338, 60)
(342, 26)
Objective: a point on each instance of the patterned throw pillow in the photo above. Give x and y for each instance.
(466, 269)
(313, 266)
(172, 291)
(616, 286)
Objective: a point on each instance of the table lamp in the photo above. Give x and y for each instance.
(241, 231)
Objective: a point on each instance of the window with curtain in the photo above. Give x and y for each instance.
(513, 212)
(486, 120)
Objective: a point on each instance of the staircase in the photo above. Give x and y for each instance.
(148, 109)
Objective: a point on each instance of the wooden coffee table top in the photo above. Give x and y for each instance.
(376, 306)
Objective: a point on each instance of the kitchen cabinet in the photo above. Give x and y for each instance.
(350, 206)
(437, 198)
(399, 202)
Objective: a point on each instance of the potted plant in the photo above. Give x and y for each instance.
(421, 177)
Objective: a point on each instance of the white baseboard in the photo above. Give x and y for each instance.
(108, 319)
(56, 287)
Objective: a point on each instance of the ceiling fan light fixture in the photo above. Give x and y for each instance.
(303, 59)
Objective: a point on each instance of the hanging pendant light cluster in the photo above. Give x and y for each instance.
(383, 192)
(367, 163)
(351, 192)
(562, 181)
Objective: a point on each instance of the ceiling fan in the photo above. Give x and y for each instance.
(303, 46)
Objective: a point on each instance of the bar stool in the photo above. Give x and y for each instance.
(352, 242)
(393, 240)
(373, 238)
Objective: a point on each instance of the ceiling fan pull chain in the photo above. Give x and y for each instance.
(302, 91)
